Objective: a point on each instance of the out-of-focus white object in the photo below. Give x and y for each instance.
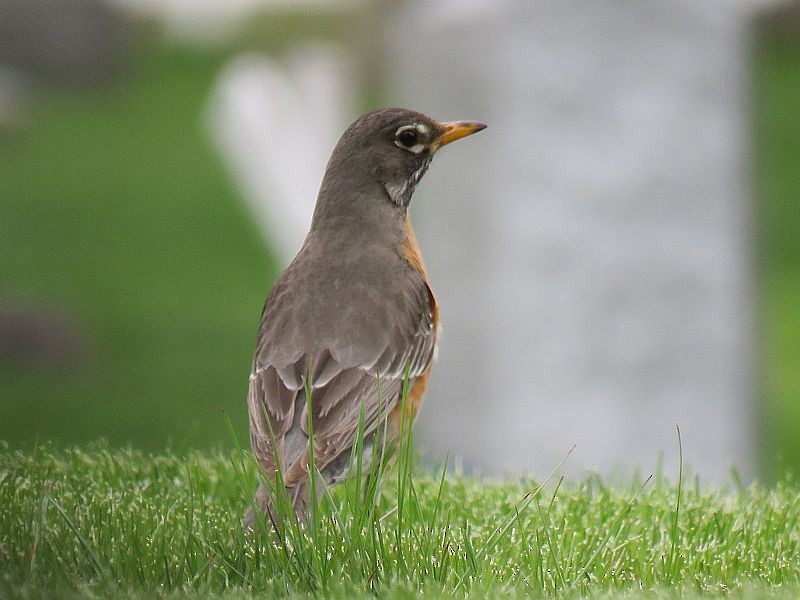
(591, 250)
(275, 125)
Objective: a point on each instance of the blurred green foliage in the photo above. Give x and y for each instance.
(777, 150)
(116, 208)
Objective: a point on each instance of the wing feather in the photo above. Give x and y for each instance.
(360, 366)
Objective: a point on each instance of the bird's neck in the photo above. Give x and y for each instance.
(359, 209)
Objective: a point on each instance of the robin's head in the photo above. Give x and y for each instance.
(394, 147)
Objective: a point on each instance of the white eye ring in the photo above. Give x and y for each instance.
(417, 128)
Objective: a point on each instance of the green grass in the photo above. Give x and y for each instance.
(112, 522)
(115, 208)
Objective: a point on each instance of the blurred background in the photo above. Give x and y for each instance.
(159, 162)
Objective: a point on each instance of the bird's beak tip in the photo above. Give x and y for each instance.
(455, 130)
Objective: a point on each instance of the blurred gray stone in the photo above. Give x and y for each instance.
(37, 336)
(82, 41)
(14, 91)
(591, 250)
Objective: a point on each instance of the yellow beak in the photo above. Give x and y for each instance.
(455, 130)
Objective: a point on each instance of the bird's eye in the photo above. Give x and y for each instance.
(411, 138)
(407, 137)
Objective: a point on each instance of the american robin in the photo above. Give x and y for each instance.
(353, 309)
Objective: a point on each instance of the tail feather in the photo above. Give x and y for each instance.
(263, 508)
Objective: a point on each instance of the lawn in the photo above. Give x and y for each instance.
(101, 522)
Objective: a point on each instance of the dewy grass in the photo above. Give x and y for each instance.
(102, 522)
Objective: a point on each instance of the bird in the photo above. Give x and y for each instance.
(351, 317)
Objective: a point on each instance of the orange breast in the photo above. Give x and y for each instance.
(411, 250)
(417, 391)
